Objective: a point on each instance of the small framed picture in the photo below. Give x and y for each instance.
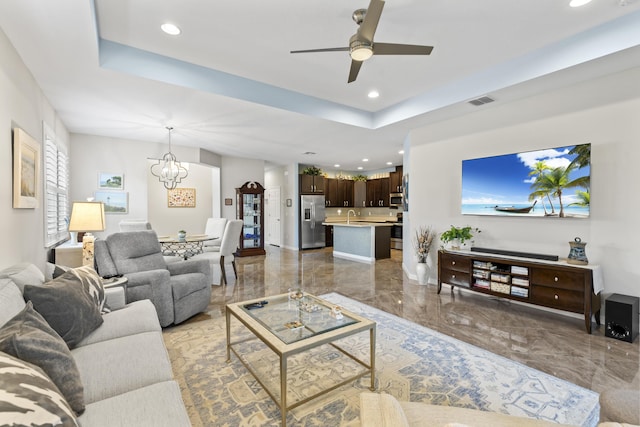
(110, 181)
(115, 202)
(181, 198)
(26, 170)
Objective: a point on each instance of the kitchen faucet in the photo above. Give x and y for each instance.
(349, 213)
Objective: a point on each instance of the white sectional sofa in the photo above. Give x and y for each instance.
(123, 365)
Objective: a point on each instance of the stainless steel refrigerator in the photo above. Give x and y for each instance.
(311, 219)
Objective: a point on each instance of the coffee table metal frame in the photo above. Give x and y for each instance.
(284, 351)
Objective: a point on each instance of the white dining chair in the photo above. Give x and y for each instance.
(214, 227)
(229, 244)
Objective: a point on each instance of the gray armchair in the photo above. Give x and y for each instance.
(177, 290)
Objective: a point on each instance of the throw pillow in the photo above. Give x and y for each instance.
(11, 300)
(28, 337)
(65, 304)
(91, 282)
(23, 274)
(54, 270)
(29, 398)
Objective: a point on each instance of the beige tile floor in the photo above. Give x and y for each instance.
(551, 342)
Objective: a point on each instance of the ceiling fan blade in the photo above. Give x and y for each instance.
(329, 49)
(355, 69)
(400, 49)
(368, 27)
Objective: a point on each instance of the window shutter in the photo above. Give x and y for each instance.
(56, 177)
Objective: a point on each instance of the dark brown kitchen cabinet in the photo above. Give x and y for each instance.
(360, 194)
(395, 180)
(331, 195)
(338, 193)
(378, 192)
(555, 285)
(311, 184)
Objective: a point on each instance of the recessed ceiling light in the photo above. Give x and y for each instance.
(401, 152)
(170, 29)
(336, 165)
(373, 94)
(389, 163)
(360, 168)
(365, 160)
(578, 3)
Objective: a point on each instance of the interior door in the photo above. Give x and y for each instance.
(273, 216)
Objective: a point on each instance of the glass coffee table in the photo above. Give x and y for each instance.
(292, 323)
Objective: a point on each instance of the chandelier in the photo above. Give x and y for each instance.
(168, 169)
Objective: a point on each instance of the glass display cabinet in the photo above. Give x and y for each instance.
(250, 209)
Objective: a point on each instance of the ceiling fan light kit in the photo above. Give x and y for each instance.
(361, 45)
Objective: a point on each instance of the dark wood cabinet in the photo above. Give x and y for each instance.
(395, 180)
(378, 192)
(250, 209)
(555, 285)
(312, 184)
(328, 236)
(359, 194)
(338, 193)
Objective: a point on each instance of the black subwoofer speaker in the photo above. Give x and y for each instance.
(621, 317)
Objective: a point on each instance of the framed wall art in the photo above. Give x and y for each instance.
(26, 170)
(181, 198)
(110, 181)
(115, 202)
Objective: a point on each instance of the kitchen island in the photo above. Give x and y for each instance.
(361, 241)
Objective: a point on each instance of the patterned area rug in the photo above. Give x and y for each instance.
(413, 363)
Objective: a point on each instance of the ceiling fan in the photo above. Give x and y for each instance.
(361, 46)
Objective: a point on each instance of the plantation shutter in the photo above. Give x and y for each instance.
(56, 176)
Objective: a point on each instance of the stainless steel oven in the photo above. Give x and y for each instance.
(396, 234)
(395, 199)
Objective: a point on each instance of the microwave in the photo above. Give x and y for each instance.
(395, 199)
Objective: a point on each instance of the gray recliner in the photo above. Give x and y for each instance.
(178, 290)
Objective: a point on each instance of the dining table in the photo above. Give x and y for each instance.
(185, 247)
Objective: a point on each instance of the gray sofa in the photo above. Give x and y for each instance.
(178, 290)
(123, 365)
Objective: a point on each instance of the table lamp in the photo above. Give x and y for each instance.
(87, 217)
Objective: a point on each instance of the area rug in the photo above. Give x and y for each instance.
(413, 363)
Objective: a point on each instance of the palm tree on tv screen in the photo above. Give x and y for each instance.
(556, 180)
(538, 170)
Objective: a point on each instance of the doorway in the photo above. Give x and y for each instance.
(272, 202)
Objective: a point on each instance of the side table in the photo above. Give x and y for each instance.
(114, 282)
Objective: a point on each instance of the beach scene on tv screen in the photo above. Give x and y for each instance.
(553, 182)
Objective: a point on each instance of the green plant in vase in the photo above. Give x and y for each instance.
(312, 170)
(458, 236)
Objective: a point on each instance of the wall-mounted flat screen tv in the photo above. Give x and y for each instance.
(554, 182)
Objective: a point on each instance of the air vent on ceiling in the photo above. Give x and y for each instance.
(481, 101)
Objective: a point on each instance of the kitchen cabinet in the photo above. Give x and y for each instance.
(338, 193)
(554, 284)
(312, 184)
(250, 209)
(378, 192)
(359, 194)
(395, 180)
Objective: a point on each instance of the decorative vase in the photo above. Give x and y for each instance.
(455, 245)
(576, 252)
(422, 271)
(182, 236)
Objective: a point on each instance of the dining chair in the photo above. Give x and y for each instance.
(229, 244)
(214, 227)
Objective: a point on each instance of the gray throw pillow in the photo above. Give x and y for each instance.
(29, 398)
(91, 283)
(66, 306)
(28, 337)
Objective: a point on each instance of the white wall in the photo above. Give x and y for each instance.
(234, 172)
(22, 104)
(147, 196)
(611, 232)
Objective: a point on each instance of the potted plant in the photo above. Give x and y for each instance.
(360, 177)
(422, 244)
(312, 170)
(458, 236)
(182, 235)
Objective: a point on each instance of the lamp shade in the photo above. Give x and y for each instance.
(87, 216)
